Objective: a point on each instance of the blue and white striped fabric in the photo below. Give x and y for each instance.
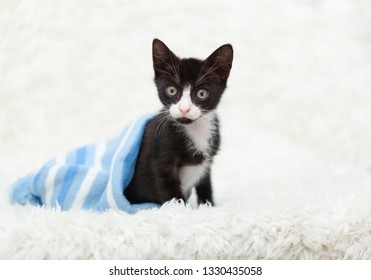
(91, 177)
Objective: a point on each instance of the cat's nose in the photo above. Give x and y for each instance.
(184, 110)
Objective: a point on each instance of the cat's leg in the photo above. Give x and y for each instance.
(167, 185)
(204, 190)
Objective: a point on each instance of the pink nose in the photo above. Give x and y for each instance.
(184, 111)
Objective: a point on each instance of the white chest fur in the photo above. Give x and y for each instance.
(190, 175)
(200, 133)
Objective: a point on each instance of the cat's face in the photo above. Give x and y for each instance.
(190, 88)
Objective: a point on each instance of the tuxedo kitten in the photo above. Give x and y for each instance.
(179, 143)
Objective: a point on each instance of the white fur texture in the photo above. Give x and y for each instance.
(190, 175)
(200, 133)
(293, 178)
(185, 107)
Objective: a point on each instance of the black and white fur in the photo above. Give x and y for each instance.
(179, 143)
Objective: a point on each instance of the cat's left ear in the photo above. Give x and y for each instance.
(220, 61)
(164, 60)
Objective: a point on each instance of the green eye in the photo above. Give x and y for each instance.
(171, 91)
(202, 94)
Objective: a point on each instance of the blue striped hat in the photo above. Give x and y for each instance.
(91, 177)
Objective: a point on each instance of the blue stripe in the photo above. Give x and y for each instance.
(80, 156)
(38, 184)
(90, 155)
(96, 192)
(72, 190)
(124, 166)
(108, 154)
(71, 157)
(69, 177)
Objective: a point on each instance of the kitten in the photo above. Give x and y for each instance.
(179, 143)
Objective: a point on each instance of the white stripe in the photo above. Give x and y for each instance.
(85, 187)
(185, 101)
(50, 179)
(99, 152)
(88, 181)
(110, 198)
(61, 160)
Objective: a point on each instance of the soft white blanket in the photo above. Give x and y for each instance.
(293, 178)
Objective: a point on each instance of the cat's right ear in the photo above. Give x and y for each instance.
(220, 61)
(164, 61)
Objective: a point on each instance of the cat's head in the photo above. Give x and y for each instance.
(190, 88)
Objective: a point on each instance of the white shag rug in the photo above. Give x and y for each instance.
(293, 178)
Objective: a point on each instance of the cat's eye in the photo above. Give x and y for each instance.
(202, 94)
(171, 91)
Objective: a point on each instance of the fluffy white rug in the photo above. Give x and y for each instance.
(293, 178)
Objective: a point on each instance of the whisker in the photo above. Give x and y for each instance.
(161, 122)
(202, 70)
(206, 75)
(175, 75)
(206, 79)
(168, 75)
(165, 124)
(175, 69)
(157, 121)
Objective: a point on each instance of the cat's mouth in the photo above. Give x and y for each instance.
(184, 120)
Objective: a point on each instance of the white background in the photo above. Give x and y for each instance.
(295, 119)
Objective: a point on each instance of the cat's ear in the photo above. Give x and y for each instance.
(220, 61)
(164, 61)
